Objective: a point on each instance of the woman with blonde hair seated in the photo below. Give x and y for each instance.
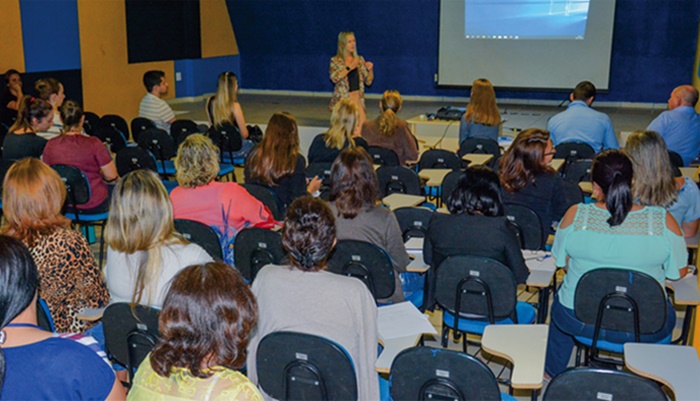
(343, 133)
(655, 185)
(388, 131)
(303, 297)
(482, 118)
(276, 162)
(206, 318)
(223, 108)
(70, 280)
(224, 206)
(145, 252)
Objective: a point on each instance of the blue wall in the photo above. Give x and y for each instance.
(199, 76)
(286, 45)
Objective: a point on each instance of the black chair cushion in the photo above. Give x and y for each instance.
(365, 261)
(202, 235)
(398, 179)
(600, 384)
(255, 248)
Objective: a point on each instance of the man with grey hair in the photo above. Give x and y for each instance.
(680, 124)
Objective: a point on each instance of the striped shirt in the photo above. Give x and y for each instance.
(157, 110)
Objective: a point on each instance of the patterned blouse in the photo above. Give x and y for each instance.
(342, 87)
(69, 278)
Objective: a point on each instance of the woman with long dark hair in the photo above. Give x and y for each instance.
(36, 364)
(613, 232)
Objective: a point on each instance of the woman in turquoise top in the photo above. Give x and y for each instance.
(615, 233)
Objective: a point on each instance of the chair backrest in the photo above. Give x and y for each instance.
(439, 158)
(530, 231)
(676, 159)
(449, 184)
(572, 151)
(140, 124)
(298, 366)
(479, 145)
(77, 184)
(398, 179)
(622, 300)
(475, 285)
(268, 198)
(110, 135)
(181, 129)
(601, 384)
(134, 158)
(255, 248)
(423, 373)
(43, 316)
(571, 192)
(367, 262)
(227, 137)
(320, 170)
(383, 156)
(158, 142)
(92, 121)
(130, 333)
(116, 122)
(579, 170)
(413, 221)
(202, 235)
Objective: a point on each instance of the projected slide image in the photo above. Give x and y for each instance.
(525, 19)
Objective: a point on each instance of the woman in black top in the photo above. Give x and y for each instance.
(275, 162)
(10, 97)
(528, 180)
(35, 115)
(475, 226)
(343, 133)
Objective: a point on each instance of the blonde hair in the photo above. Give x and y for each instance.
(141, 219)
(482, 107)
(197, 161)
(653, 174)
(226, 96)
(342, 43)
(391, 103)
(344, 120)
(33, 195)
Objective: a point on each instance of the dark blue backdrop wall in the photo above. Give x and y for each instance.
(286, 45)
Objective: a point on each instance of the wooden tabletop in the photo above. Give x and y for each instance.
(395, 201)
(477, 159)
(434, 175)
(676, 366)
(525, 346)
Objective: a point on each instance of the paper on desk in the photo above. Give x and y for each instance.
(401, 320)
(414, 243)
(539, 260)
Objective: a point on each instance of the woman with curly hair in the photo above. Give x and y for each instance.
(224, 206)
(204, 326)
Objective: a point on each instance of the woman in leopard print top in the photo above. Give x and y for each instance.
(69, 278)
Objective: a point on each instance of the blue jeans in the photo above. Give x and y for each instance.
(564, 326)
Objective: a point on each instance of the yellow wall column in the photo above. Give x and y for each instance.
(12, 48)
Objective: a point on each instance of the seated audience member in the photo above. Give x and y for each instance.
(51, 90)
(353, 200)
(35, 115)
(87, 153)
(224, 108)
(528, 180)
(10, 97)
(276, 163)
(225, 206)
(36, 364)
(387, 131)
(152, 106)
(475, 226)
(343, 133)
(204, 326)
(482, 118)
(306, 298)
(654, 184)
(580, 123)
(614, 232)
(33, 195)
(145, 252)
(680, 124)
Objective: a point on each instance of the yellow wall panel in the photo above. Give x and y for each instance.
(110, 84)
(218, 38)
(12, 47)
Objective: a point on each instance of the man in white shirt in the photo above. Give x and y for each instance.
(152, 106)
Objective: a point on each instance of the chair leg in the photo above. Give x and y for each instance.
(102, 243)
(445, 335)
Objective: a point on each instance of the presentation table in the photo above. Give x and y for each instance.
(676, 366)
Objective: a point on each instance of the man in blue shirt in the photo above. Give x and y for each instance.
(580, 123)
(680, 124)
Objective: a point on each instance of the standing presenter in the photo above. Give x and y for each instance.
(350, 73)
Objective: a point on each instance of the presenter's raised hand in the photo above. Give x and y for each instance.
(369, 65)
